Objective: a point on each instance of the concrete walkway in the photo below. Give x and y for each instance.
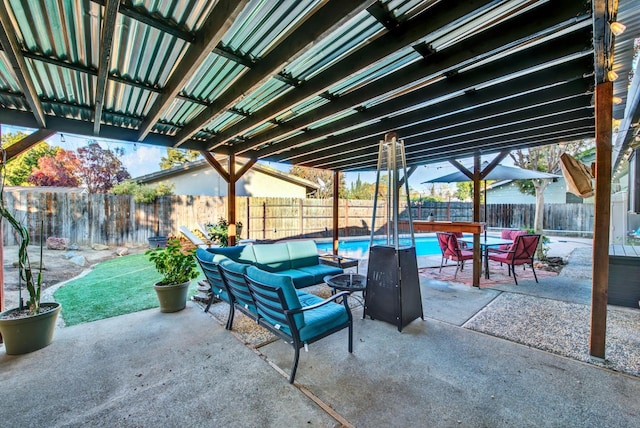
(184, 369)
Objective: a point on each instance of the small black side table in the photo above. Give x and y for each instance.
(350, 282)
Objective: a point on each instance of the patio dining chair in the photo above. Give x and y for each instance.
(451, 250)
(521, 252)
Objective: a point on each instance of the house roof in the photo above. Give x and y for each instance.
(314, 82)
(202, 164)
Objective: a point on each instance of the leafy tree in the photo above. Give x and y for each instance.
(142, 193)
(18, 169)
(545, 159)
(464, 190)
(322, 177)
(101, 169)
(58, 170)
(361, 190)
(176, 157)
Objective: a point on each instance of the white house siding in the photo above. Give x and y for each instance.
(206, 181)
(555, 193)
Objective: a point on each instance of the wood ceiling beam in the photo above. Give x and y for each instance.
(497, 72)
(14, 54)
(27, 142)
(330, 16)
(524, 29)
(472, 122)
(217, 24)
(436, 154)
(213, 162)
(490, 100)
(446, 139)
(106, 45)
(413, 31)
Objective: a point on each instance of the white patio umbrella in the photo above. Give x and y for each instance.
(498, 173)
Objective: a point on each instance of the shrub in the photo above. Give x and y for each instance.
(142, 194)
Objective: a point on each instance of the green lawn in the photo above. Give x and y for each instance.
(115, 287)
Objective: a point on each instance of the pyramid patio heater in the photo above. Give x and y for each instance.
(393, 288)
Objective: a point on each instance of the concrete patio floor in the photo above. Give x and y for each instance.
(184, 369)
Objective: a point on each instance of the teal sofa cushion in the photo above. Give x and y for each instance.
(318, 272)
(210, 269)
(288, 290)
(239, 289)
(300, 278)
(272, 257)
(240, 253)
(318, 321)
(303, 253)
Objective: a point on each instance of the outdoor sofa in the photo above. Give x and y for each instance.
(296, 259)
(272, 300)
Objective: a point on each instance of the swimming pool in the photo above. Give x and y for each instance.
(425, 246)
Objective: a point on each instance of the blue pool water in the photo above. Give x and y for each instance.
(424, 247)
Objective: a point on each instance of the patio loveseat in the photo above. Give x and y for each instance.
(298, 260)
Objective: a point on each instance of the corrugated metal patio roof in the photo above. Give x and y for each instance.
(314, 82)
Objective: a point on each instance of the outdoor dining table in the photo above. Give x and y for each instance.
(486, 242)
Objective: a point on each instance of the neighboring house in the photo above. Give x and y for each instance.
(508, 192)
(199, 178)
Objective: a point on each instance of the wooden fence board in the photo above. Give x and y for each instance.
(118, 220)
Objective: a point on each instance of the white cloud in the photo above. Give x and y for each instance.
(142, 159)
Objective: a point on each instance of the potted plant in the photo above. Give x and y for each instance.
(219, 232)
(178, 268)
(29, 327)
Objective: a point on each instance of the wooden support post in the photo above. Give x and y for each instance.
(477, 253)
(231, 201)
(336, 192)
(600, 269)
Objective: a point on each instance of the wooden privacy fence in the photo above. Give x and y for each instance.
(118, 220)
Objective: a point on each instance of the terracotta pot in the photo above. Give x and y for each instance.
(24, 335)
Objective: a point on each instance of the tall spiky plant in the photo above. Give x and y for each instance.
(24, 265)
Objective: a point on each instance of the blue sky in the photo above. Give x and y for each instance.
(141, 159)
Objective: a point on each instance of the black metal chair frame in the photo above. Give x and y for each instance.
(238, 292)
(212, 273)
(278, 309)
(460, 260)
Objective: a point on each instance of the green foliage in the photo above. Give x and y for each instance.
(361, 190)
(176, 157)
(34, 285)
(142, 194)
(464, 190)
(174, 264)
(18, 169)
(219, 232)
(322, 177)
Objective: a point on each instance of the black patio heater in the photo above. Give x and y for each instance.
(393, 288)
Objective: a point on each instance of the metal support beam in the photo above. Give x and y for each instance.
(216, 25)
(106, 45)
(14, 54)
(600, 270)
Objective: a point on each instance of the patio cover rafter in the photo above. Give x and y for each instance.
(16, 59)
(314, 28)
(216, 25)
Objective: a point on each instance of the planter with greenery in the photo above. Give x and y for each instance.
(219, 232)
(178, 268)
(28, 327)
